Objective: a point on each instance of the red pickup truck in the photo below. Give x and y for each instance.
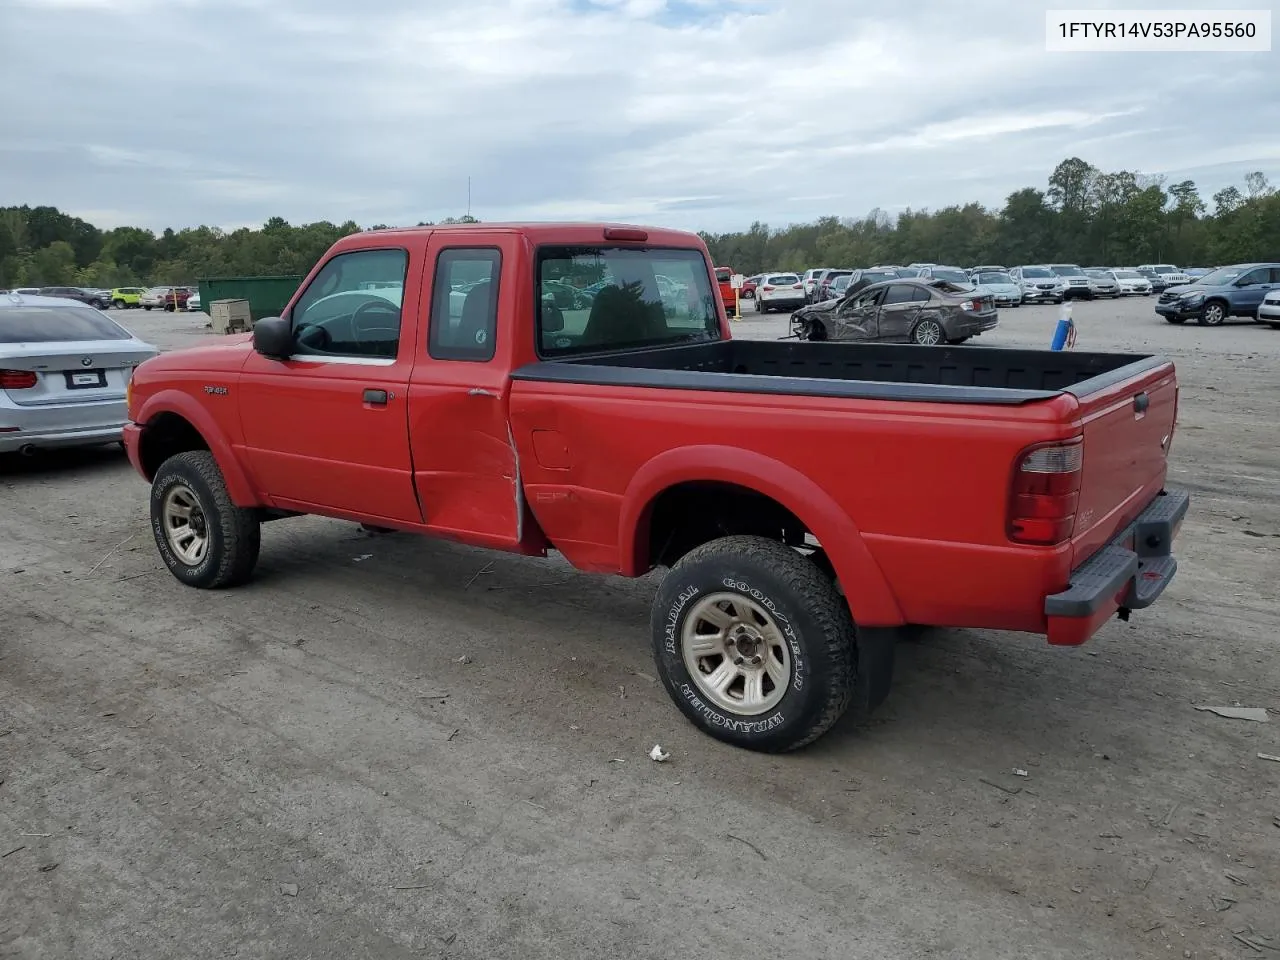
(807, 498)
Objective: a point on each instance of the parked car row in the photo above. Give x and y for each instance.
(121, 298)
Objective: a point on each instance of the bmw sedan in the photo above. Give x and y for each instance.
(926, 312)
(64, 370)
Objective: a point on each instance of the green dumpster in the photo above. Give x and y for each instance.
(267, 296)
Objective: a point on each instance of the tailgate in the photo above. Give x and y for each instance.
(1128, 429)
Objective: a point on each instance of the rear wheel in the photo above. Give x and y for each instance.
(928, 333)
(118, 304)
(204, 539)
(754, 643)
(147, 307)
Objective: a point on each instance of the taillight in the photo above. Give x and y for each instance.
(797, 286)
(17, 379)
(766, 288)
(1045, 492)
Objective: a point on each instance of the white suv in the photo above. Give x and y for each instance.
(1167, 272)
(779, 291)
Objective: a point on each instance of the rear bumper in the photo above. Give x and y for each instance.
(60, 425)
(792, 303)
(1129, 573)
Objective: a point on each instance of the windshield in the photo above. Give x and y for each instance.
(994, 278)
(1066, 270)
(951, 276)
(1165, 268)
(628, 308)
(1221, 277)
(57, 324)
(1128, 275)
(1036, 273)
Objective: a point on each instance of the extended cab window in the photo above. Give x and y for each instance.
(593, 299)
(464, 304)
(352, 307)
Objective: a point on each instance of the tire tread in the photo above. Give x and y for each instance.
(239, 529)
(823, 605)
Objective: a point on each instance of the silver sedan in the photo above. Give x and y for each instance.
(64, 369)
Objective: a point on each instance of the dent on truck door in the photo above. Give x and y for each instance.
(465, 467)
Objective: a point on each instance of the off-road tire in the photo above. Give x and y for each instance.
(235, 533)
(809, 612)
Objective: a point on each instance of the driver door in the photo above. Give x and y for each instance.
(327, 431)
(855, 318)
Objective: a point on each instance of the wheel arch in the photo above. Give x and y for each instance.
(172, 422)
(784, 490)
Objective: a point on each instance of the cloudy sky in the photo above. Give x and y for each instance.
(704, 114)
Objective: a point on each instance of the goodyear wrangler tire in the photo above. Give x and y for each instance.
(204, 539)
(754, 644)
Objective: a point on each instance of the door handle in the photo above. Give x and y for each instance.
(480, 392)
(376, 397)
(1141, 402)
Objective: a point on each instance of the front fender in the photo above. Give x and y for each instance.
(175, 401)
(870, 598)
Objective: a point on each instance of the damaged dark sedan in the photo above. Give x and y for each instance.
(927, 312)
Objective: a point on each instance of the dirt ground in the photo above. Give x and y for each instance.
(391, 747)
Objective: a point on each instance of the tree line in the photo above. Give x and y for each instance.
(1085, 216)
(42, 246)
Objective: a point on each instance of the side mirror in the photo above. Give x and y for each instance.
(273, 337)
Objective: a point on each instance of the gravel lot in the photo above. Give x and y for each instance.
(393, 747)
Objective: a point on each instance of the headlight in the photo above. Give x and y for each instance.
(1192, 297)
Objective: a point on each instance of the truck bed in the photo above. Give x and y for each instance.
(953, 374)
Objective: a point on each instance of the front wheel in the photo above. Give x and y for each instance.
(1214, 314)
(204, 539)
(754, 644)
(928, 333)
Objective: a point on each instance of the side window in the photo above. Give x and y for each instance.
(464, 304)
(920, 295)
(1254, 277)
(899, 293)
(352, 307)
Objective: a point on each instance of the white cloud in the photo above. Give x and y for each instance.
(693, 113)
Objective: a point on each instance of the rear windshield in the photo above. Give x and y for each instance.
(783, 279)
(56, 324)
(622, 304)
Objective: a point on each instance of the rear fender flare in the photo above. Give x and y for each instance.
(239, 488)
(868, 593)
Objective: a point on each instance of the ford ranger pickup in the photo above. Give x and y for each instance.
(805, 499)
